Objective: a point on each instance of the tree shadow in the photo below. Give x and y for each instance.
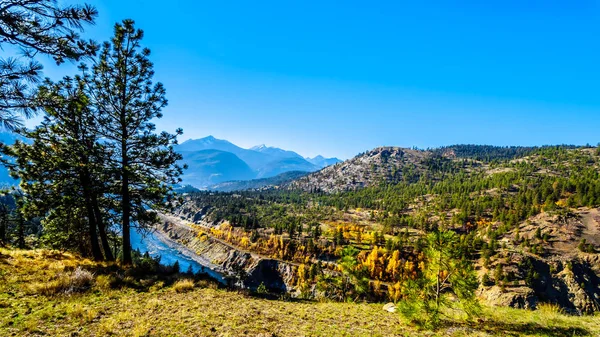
(518, 329)
(54, 255)
(143, 278)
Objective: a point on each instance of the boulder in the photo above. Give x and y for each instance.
(390, 307)
(519, 297)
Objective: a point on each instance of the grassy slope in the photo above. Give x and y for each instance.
(154, 308)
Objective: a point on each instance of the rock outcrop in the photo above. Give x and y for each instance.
(573, 285)
(519, 297)
(240, 268)
(383, 164)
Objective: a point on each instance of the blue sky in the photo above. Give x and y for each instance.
(341, 77)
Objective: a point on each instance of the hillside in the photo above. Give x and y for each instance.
(384, 164)
(51, 293)
(240, 185)
(528, 220)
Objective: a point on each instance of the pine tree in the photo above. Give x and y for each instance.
(61, 170)
(126, 100)
(36, 27)
(4, 220)
(498, 273)
(317, 231)
(446, 275)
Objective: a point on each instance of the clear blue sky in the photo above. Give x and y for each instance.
(341, 77)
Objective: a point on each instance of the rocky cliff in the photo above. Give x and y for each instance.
(572, 285)
(238, 267)
(560, 272)
(383, 164)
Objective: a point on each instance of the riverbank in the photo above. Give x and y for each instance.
(162, 308)
(173, 251)
(246, 269)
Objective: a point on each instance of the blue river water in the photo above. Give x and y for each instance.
(149, 242)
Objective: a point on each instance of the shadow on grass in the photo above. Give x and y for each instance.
(518, 329)
(142, 279)
(54, 255)
(274, 296)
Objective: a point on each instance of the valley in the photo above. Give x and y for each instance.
(529, 222)
(119, 216)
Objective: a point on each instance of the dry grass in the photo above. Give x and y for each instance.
(78, 280)
(183, 286)
(104, 282)
(205, 310)
(547, 309)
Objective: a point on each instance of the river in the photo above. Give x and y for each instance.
(156, 245)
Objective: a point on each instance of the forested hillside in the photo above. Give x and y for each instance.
(529, 223)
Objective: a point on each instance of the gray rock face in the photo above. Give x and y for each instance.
(574, 286)
(273, 274)
(582, 285)
(521, 298)
(383, 164)
(240, 268)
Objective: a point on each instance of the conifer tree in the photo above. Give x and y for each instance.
(36, 27)
(62, 170)
(126, 101)
(447, 281)
(3, 224)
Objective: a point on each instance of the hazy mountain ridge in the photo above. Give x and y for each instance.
(207, 167)
(262, 161)
(322, 161)
(275, 152)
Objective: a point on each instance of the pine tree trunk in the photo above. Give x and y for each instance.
(21, 232)
(102, 230)
(126, 202)
(126, 205)
(96, 252)
(92, 225)
(79, 232)
(2, 231)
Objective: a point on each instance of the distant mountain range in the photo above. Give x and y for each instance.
(212, 161)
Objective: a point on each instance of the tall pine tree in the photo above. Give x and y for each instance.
(127, 100)
(63, 169)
